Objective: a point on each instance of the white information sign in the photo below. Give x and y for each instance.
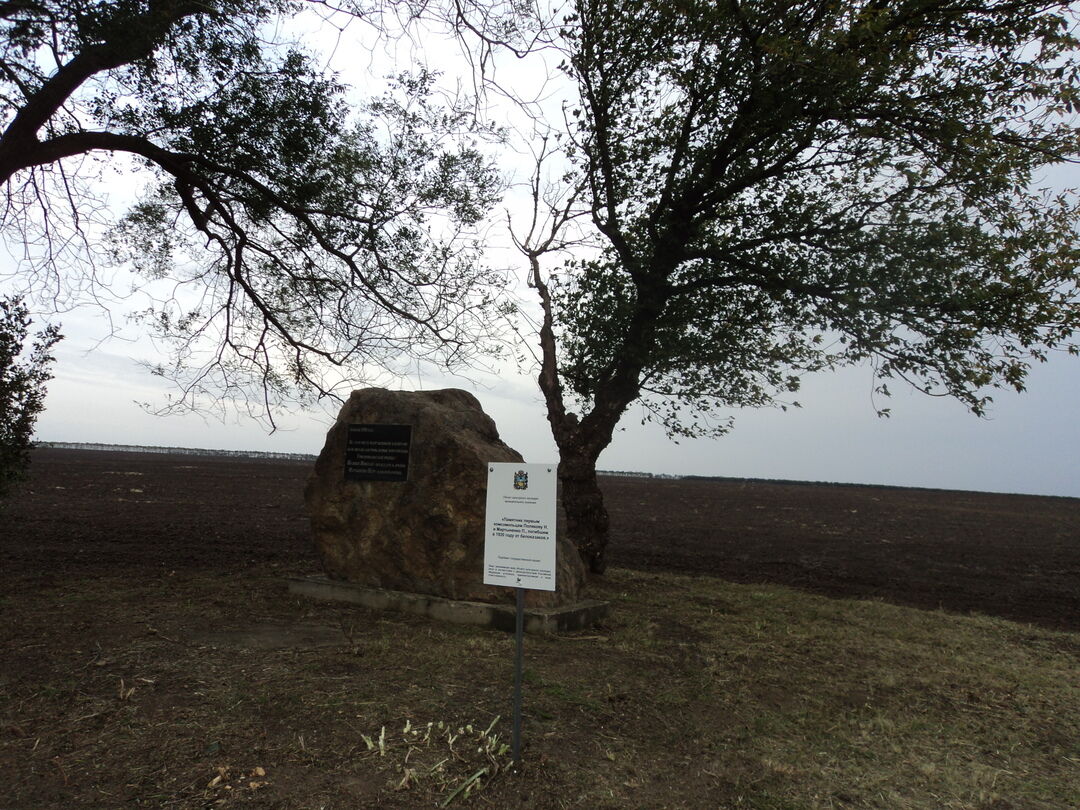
(519, 543)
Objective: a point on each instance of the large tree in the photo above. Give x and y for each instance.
(24, 372)
(276, 236)
(758, 189)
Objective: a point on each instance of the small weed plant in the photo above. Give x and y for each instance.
(442, 758)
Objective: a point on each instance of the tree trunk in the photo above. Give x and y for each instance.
(580, 442)
(586, 516)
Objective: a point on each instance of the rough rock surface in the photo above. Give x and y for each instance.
(426, 534)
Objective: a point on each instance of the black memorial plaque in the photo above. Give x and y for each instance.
(378, 453)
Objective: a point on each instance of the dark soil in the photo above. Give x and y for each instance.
(1013, 556)
(151, 655)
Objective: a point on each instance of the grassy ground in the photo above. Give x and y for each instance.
(196, 690)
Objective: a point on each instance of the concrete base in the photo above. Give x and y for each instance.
(501, 617)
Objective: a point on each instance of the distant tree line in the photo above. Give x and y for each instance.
(182, 451)
(636, 474)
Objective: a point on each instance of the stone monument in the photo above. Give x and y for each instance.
(397, 498)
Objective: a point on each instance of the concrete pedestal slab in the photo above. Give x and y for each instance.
(563, 619)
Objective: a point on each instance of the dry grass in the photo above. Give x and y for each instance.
(697, 693)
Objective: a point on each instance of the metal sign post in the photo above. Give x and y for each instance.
(519, 548)
(519, 660)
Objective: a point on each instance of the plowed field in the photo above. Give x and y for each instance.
(1012, 556)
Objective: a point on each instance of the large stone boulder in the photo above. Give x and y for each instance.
(424, 534)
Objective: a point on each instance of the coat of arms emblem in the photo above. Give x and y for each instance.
(521, 480)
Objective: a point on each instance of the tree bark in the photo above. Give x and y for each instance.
(586, 516)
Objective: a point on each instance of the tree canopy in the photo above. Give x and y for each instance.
(292, 235)
(774, 188)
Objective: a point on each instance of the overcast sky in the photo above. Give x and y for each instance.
(1029, 444)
